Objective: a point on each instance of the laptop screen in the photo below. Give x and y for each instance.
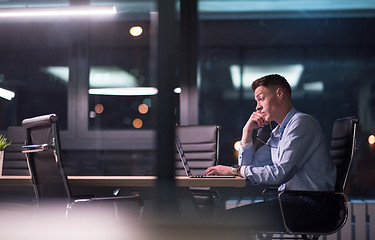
(182, 157)
(186, 165)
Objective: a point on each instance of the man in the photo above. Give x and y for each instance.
(295, 156)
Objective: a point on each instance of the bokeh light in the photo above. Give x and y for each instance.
(136, 31)
(143, 108)
(99, 108)
(237, 145)
(147, 101)
(177, 90)
(371, 139)
(137, 123)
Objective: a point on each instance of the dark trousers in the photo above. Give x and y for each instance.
(257, 216)
(300, 212)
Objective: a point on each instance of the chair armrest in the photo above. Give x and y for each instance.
(313, 194)
(36, 148)
(122, 206)
(270, 193)
(205, 192)
(91, 198)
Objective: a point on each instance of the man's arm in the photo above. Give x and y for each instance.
(298, 142)
(245, 155)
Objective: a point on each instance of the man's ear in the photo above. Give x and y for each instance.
(280, 93)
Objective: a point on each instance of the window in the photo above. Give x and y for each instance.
(120, 94)
(26, 72)
(328, 61)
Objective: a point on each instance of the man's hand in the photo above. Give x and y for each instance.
(255, 121)
(218, 170)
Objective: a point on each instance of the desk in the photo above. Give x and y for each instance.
(144, 185)
(130, 181)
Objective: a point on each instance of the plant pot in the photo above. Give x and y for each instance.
(1, 162)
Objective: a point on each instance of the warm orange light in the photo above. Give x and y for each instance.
(237, 145)
(371, 139)
(143, 108)
(136, 31)
(137, 123)
(99, 108)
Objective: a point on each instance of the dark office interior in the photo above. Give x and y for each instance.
(214, 50)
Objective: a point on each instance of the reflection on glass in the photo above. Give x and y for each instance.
(111, 77)
(28, 90)
(292, 72)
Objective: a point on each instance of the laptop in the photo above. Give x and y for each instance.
(186, 165)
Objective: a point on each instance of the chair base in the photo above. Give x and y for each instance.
(271, 237)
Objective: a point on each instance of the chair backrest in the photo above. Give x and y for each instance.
(44, 158)
(343, 146)
(14, 160)
(201, 147)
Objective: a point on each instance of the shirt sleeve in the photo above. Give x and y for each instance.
(246, 158)
(245, 154)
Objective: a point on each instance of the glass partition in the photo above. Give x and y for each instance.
(120, 94)
(98, 75)
(326, 52)
(33, 71)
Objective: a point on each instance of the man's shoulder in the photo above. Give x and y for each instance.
(303, 119)
(301, 115)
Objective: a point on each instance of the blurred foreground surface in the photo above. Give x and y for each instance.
(51, 221)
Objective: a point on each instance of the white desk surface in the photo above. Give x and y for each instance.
(130, 181)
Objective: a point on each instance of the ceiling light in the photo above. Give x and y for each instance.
(136, 31)
(292, 73)
(177, 90)
(75, 11)
(132, 91)
(128, 91)
(6, 94)
(100, 77)
(314, 86)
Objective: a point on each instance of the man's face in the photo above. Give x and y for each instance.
(267, 103)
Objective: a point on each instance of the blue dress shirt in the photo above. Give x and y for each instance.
(295, 157)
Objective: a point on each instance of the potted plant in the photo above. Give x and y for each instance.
(3, 144)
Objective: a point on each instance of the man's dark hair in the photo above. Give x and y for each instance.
(273, 81)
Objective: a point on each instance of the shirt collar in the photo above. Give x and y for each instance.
(286, 121)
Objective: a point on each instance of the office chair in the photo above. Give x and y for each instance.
(343, 146)
(47, 171)
(201, 148)
(14, 160)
